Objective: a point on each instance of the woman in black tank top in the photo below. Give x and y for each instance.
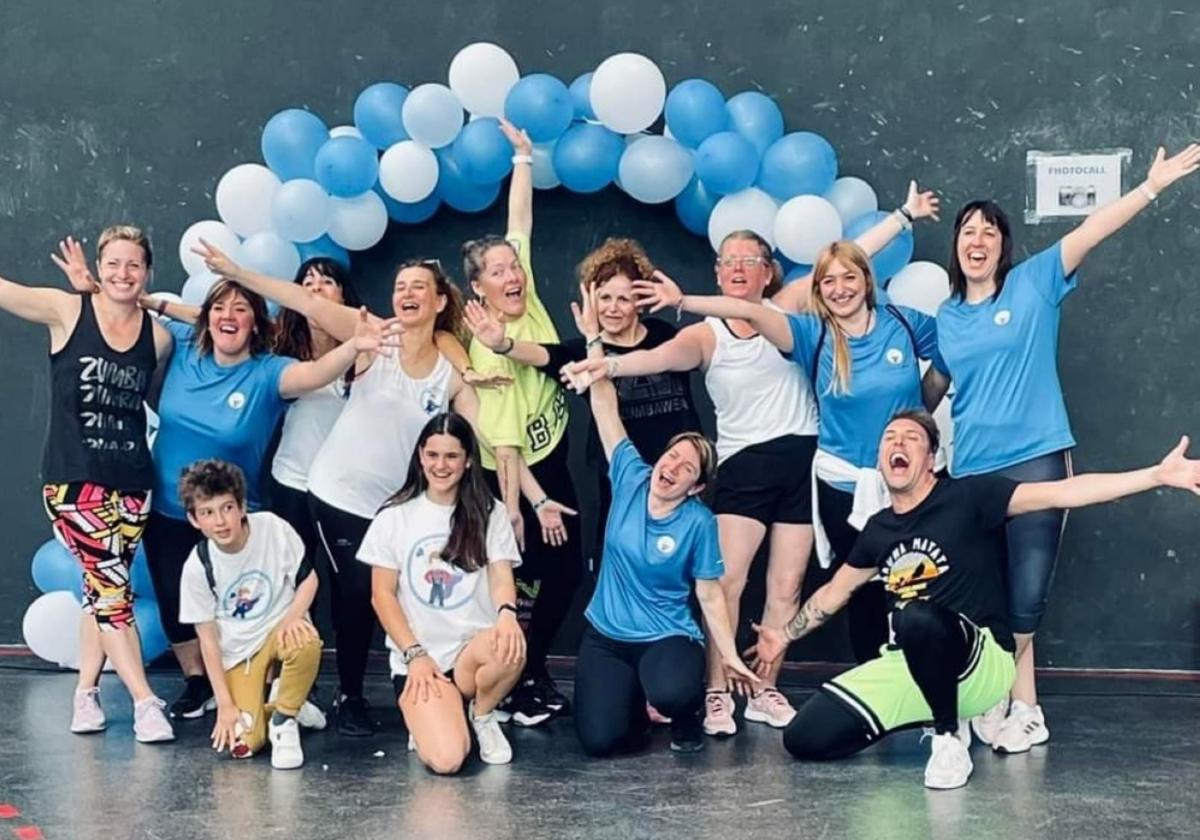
(96, 466)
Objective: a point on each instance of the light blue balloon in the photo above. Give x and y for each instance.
(726, 162)
(324, 247)
(756, 117)
(893, 257)
(581, 97)
(139, 575)
(150, 629)
(587, 157)
(800, 163)
(544, 176)
(695, 110)
(655, 169)
(410, 214)
(55, 569)
(377, 114)
(694, 205)
(483, 153)
(458, 191)
(432, 115)
(290, 141)
(300, 210)
(540, 104)
(346, 166)
(270, 254)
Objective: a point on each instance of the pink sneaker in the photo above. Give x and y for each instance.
(87, 715)
(656, 717)
(769, 706)
(150, 725)
(718, 713)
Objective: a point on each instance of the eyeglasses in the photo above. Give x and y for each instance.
(742, 262)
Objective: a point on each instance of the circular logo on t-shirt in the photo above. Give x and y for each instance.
(665, 544)
(894, 356)
(236, 400)
(431, 400)
(248, 597)
(433, 582)
(1002, 317)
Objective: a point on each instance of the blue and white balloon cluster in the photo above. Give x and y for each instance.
(726, 164)
(51, 623)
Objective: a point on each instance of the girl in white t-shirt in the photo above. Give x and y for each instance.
(443, 552)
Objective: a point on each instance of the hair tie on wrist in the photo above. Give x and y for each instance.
(522, 159)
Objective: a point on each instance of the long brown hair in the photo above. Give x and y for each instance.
(292, 335)
(848, 254)
(224, 288)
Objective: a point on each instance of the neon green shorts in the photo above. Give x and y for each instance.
(885, 695)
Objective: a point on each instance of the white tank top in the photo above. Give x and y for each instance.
(365, 458)
(758, 394)
(305, 427)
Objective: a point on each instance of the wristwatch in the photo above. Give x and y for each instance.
(411, 653)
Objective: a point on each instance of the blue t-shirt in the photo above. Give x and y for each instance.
(1002, 355)
(885, 377)
(649, 564)
(210, 411)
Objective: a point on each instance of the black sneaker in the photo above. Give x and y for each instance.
(687, 736)
(547, 693)
(522, 707)
(353, 718)
(195, 699)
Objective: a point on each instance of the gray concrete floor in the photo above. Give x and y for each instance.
(1123, 763)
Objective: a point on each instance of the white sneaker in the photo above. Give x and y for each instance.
(150, 724)
(1024, 727)
(87, 716)
(963, 734)
(285, 744)
(949, 763)
(493, 746)
(987, 725)
(769, 706)
(310, 715)
(718, 713)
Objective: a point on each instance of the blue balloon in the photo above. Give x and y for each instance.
(800, 163)
(893, 257)
(324, 247)
(483, 153)
(347, 166)
(540, 104)
(290, 141)
(695, 110)
(55, 569)
(410, 214)
(139, 575)
(756, 117)
(458, 191)
(150, 629)
(581, 97)
(726, 162)
(587, 157)
(377, 114)
(694, 205)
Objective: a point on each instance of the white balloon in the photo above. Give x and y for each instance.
(408, 172)
(345, 131)
(920, 285)
(214, 233)
(481, 75)
(544, 176)
(358, 223)
(244, 196)
(750, 209)
(432, 115)
(51, 628)
(628, 92)
(853, 197)
(300, 211)
(655, 170)
(195, 288)
(806, 224)
(270, 254)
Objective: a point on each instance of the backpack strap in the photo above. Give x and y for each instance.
(912, 336)
(816, 358)
(206, 561)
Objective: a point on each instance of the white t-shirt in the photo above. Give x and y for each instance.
(255, 587)
(305, 427)
(444, 605)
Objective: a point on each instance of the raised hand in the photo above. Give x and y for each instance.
(376, 335)
(217, 261)
(587, 318)
(658, 293)
(521, 143)
(1165, 171)
(1177, 470)
(484, 326)
(550, 516)
(921, 205)
(71, 261)
(769, 649)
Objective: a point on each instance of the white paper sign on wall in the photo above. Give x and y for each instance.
(1065, 185)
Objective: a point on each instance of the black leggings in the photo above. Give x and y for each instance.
(293, 507)
(168, 543)
(341, 534)
(937, 645)
(866, 613)
(614, 681)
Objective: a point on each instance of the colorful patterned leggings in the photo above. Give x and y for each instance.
(102, 528)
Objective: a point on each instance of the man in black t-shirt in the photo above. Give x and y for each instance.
(940, 551)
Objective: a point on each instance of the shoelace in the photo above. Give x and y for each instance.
(773, 699)
(714, 702)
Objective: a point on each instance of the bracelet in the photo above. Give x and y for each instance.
(679, 309)
(504, 351)
(902, 219)
(592, 342)
(1145, 190)
(522, 159)
(539, 505)
(413, 652)
(512, 608)
(904, 211)
(161, 306)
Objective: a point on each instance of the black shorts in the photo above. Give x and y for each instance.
(400, 680)
(770, 482)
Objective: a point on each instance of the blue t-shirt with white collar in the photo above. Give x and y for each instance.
(649, 564)
(1002, 355)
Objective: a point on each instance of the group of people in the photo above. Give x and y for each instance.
(421, 476)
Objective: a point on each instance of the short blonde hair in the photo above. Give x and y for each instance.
(125, 233)
(707, 453)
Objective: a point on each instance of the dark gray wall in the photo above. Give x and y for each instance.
(133, 110)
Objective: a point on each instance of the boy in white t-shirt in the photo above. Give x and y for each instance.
(247, 588)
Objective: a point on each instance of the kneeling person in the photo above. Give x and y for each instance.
(940, 551)
(247, 588)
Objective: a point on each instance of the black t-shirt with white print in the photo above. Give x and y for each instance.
(949, 549)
